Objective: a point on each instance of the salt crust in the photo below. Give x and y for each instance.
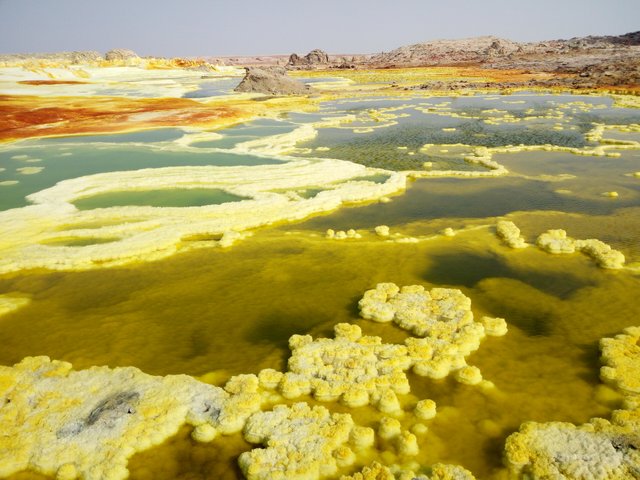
(442, 316)
(599, 449)
(87, 423)
(148, 233)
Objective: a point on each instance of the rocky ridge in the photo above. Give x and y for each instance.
(585, 62)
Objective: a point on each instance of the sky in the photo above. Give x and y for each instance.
(192, 28)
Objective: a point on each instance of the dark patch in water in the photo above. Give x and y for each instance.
(463, 198)
(469, 269)
(379, 149)
(277, 327)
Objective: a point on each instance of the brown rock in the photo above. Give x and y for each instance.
(271, 80)
(120, 54)
(314, 57)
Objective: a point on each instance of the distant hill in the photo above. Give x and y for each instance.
(489, 49)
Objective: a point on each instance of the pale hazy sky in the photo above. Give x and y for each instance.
(247, 27)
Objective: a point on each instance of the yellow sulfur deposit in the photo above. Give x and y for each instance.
(268, 194)
(415, 309)
(301, 442)
(494, 327)
(599, 449)
(557, 241)
(439, 471)
(603, 254)
(341, 234)
(443, 317)
(621, 358)
(437, 312)
(357, 369)
(88, 423)
(12, 302)
(425, 409)
(375, 471)
(562, 450)
(510, 234)
(382, 231)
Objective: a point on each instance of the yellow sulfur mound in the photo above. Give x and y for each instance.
(600, 449)
(439, 471)
(596, 450)
(341, 234)
(621, 358)
(510, 234)
(358, 369)
(443, 317)
(415, 309)
(375, 471)
(301, 442)
(557, 241)
(603, 254)
(88, 423)
(382, 230)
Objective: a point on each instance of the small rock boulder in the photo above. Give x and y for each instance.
(314, 57)
(317, 56)
(120, 54)
(85, 57)
(270, 80)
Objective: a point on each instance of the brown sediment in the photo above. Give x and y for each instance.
(29, 116)
(51, 82)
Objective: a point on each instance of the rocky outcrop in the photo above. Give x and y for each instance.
(85, 57)
(272, 81)
(314, 57)
(440, 52)
(501, 53)
(119, 54)
(585, 62)
(63, 58)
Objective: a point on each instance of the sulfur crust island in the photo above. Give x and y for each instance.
(558, 242)
(271, 193)
(602, 449)
(88, 423)
(57, 421)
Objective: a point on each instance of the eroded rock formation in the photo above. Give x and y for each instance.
(314, 57)
(272, 81)
(119, 54)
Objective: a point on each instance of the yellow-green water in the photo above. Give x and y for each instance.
(232, 311)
